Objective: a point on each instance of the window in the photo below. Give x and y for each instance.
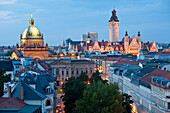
(168, 105)
(62, 72)
(140, 101)
(72, 72)
(91, 71)
(67, 72)
(48, 89)
(156, 80)
(77, 71)
(16, 66)
(86, 71)
(57, 71)
(48, 103)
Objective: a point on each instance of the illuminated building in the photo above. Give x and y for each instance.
(128, 45)
(114, 27)
(93, 36)
(32, 44)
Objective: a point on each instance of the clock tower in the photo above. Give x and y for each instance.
(114, 27)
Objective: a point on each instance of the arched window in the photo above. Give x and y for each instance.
(48, 103)
(86, 71)
(77, 71)
(57, 71)
(48, 89)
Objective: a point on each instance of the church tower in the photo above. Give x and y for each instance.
(114, 27)
(139, 41)
(126, 42)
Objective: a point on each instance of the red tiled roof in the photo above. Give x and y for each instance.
(148, 45)
(167, 76)
(121, 62)
(2, 49)
(163, 53)
(11, 102)
(34, 70)
(20, 72)
(156, 73)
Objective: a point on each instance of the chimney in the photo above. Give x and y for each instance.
(9, 91)
(22, 93)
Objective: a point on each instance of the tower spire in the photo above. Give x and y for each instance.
(113, 27)
(31, 21)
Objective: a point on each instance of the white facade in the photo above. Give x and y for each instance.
(113, 31)
(155, 100)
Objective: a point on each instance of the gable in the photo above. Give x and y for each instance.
(57, 62)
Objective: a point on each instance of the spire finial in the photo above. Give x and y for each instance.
(138, 33)
(126, 34)
(31, 15)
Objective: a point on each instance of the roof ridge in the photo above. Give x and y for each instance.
(35, 91)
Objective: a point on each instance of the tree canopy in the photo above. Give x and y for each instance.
(3, 78)
(73, 90)
(96, 97)
(100, 98)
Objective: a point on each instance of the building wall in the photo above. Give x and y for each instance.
(113, 31)
(64, 71)
(153, 100)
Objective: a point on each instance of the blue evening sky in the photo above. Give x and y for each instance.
(60, 19)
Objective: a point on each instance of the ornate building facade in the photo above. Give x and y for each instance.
(32, 44)
(65, 68)
(128, 45)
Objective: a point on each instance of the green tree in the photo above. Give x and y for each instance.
(96, 77)
(73, 90)
(83, 77)
(126, 103)
(100, 98)
(9, 53)
(3, 78)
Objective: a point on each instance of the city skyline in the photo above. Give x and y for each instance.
(58, 20)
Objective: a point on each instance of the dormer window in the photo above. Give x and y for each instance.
(153, 79)
(168, 85)
(48, 89)
(156, 80)
(161, 82)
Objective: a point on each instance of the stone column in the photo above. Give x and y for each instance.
(65, 74)
(55, 72)
(69, 72)
(60, 74)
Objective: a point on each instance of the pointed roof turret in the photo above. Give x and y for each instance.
(144, 50)
(126, 34)
(114, 17)
(138, 33)
(63, 43)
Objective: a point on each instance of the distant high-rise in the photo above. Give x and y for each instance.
(93, 36)
(113, 27)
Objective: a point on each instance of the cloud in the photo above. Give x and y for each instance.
(7, 1)
(6, 15)
(40, 10)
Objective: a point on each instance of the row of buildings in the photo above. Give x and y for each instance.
(32, 43)
(148, 86)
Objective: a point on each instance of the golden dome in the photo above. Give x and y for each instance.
(31, 31)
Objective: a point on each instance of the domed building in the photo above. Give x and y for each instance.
(31, 44)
